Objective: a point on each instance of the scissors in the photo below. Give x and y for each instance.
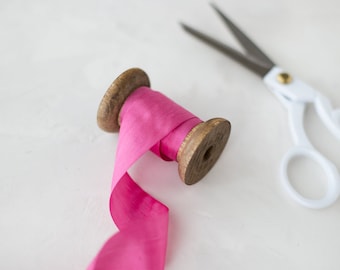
(294, 95)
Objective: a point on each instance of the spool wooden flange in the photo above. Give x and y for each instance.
(200, 149)
(115, 96)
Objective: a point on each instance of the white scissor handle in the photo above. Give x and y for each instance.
(329, 116)
(333, 179)
(295, 95)
(305, 149)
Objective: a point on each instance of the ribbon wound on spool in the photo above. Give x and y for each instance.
(147, 117)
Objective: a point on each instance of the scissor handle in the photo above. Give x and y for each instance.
(297, 91)
(333, 177)
(329, 116)
(305, 149)
(295, 94)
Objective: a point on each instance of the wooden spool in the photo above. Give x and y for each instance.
(200, 149)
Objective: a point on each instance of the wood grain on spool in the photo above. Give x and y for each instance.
(201, 149)
(115, 96)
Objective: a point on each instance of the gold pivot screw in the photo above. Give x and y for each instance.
(284, 78)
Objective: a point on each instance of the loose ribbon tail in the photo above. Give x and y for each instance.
(141, 242)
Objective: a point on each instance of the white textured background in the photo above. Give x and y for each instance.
(56, 60)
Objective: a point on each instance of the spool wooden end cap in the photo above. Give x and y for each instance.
(115, 96)
(201, 149)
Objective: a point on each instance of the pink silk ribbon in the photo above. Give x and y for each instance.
(149, 121)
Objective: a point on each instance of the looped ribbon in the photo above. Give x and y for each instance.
(148, 121)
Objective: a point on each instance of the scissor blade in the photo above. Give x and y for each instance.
(249, 46)
(253, 64)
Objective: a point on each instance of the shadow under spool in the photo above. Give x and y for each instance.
(201, 147)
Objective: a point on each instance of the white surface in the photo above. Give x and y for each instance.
(57, 59)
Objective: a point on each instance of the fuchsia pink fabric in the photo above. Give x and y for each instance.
(149, 121)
